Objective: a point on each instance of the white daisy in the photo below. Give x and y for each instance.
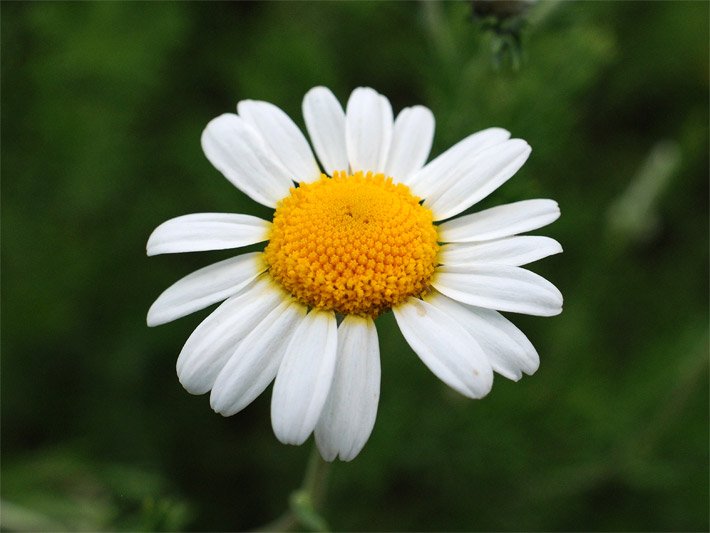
(360, 237)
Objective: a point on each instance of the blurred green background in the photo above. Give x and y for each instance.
(103, 105)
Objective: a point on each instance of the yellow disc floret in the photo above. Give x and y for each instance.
(353, 244)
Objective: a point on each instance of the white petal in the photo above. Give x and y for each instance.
(325, 122)
(215, 339)
(350, 411)
(500, 287)
(500, 221)
(445, 347)
(368, 130)
(411, 142)
(477, 177)
(507, 348)
(238, 151)
(433, 178)
(255, 363)
(513, 251)
(283, 138)
(205, 287)
(207, 231)
(304, 378)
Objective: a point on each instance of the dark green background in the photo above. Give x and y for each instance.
(103, 105)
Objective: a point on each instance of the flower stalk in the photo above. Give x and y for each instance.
(305, 502)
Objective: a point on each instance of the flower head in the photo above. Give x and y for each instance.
(367, 234)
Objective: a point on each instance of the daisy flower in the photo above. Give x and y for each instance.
(367, 231)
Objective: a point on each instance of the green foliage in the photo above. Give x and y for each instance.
(103, 105)
(60, 490)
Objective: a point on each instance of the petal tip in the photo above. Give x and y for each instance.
(154, 316)
(191, 388)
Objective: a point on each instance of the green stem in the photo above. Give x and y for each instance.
(316, 478)
(305, 502)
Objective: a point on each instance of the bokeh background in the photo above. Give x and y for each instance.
(103, 105)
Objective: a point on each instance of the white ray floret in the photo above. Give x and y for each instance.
(500, 221)
(325, 122)
(236, 149)
(350, 411)
(209, 347)
(205, 287)
(512, 251)
(282, 136)
(500, 287)
(507, 348)
(478, 176)
(434, 178)
(207, 231)
(368, 130)
(411, 142)
(304, 378)
(445, 347)
(253, 366)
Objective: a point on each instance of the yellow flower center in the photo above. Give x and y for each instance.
(353, 244)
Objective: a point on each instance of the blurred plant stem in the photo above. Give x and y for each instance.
(442, 40)
(439, 32)
(633, 217)
(20, 518)
(305, 502)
